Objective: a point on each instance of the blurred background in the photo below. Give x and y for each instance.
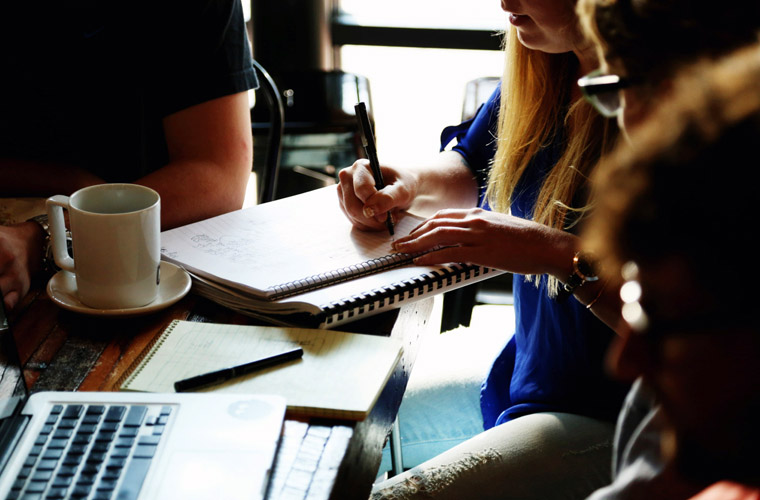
(410, 60)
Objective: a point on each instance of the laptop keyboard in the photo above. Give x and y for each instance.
(92, 452)
(308, 461)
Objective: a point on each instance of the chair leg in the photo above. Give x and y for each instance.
(397, 460)
(457, 307)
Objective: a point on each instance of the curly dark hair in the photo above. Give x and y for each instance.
(650, 39)
(687, 185)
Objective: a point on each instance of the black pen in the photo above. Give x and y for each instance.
(225, 374)
(368, 141)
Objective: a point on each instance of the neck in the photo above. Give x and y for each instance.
(587, 61)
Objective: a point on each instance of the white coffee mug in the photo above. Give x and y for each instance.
(115, 233)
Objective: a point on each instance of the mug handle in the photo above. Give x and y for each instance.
(55, 206)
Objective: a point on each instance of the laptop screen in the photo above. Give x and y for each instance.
(12, 388)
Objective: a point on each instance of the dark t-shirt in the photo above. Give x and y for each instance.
(90, 84)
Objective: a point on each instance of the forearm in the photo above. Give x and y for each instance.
(447, 182)
(600, 296)
(34, 178)
(210, 159)
(192, 190)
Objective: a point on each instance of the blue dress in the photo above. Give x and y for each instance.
(554, 361)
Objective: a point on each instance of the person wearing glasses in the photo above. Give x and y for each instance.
(547, 406)
(679, 233)
(642, 45)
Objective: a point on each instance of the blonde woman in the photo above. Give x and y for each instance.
(547, 406)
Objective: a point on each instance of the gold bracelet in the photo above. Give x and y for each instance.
(601, 291)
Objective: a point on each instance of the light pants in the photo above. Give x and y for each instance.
(542, 456)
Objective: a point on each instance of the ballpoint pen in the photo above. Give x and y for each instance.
(368, 141)
(225, 374)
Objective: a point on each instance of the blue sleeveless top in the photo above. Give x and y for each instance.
(555, 360)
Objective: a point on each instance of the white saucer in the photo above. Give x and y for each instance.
(175, 283)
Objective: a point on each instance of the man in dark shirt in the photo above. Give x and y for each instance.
(150, 92)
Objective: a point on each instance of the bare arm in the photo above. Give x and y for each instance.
(209, 165)
(210, 159)
(33, 178)
(510, 243)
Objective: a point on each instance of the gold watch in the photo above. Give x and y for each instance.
(584, 270)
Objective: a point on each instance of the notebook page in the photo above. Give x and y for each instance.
(340, 374)
(279, 242)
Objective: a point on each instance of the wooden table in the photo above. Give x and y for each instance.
(61, 350)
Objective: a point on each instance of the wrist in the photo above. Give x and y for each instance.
(584, 270)
(40, 250)
(561, 247)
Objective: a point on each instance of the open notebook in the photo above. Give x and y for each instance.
(298, 261)
(340, 375)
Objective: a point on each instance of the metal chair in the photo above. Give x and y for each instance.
(267, 180)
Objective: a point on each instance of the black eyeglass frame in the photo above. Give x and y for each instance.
(597, 84)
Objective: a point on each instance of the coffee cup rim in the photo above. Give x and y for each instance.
(113, 186)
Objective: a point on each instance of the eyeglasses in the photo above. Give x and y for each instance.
(603, 91)
(655, 328)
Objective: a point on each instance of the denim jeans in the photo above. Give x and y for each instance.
(544, 456)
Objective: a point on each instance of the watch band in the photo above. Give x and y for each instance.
(48, 262)
(583, 271)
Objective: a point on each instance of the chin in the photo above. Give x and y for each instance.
(704, 466)
(733, 457)
(537, 42)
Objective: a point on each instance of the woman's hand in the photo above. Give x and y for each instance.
(491, 239)
(365, 206)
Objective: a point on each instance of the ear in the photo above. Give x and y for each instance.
(628, 356)
(640, 100)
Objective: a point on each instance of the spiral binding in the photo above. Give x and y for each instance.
(348, 273)
(381, 298)
(137, 365)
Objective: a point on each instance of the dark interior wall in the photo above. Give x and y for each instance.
(292, 34)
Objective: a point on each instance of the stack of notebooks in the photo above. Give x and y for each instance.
(298, 261)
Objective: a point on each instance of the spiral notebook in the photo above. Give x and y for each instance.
(299, 261)
(341, 375)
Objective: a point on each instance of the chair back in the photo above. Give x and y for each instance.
(267, 180)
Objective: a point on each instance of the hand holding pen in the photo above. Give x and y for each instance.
(368, 141)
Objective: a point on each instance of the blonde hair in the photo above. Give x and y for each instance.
(536, 109)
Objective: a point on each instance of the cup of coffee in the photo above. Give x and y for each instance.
(115, 233)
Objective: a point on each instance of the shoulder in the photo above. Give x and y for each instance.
(727, 490)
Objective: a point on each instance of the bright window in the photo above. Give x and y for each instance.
(416, 92)
(480, 14)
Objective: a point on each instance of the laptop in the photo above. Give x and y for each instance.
(114, 445)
